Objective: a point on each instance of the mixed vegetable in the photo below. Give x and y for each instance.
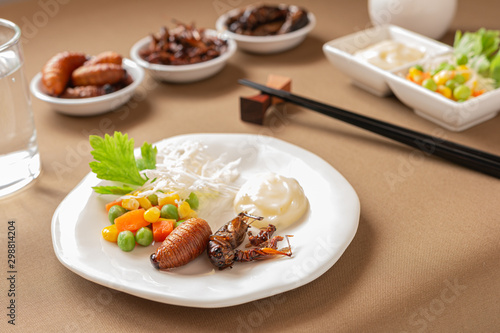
(144, 219)
(472, 70)
(138, 216)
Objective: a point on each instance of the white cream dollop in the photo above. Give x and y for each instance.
(279, 199)
(389, 54)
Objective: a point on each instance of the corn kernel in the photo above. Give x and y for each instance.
(444, 90)
(152, 214)
(130, 204)
(144, 202)
(110, 233)
(185, 211)
(414, 72)
(442, 77)
(465, 71)
(170, 198)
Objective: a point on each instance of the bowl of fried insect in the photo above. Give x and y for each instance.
(183, 54)
(266, 29)
(77, 84)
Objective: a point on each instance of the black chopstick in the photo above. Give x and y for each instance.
(468, 157)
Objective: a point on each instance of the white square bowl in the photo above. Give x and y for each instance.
(454, 116)
(340, 52)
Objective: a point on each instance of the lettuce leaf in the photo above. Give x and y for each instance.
(115, 161)
(481, 48)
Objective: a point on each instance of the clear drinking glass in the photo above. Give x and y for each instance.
(19, 158)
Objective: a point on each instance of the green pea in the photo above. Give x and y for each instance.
(429, 84)
(193, 201)
(153, 198)
(144, 236)
(126, 241)
(459, 78)
(462, 59)
(461, 92)
(452, 84)
(169, 212)
(114, 212)
(178, 223)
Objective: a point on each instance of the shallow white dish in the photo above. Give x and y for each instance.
(184, 73)
(340, 52)
(93, 105)
(266, 44)
(320, 237)
(447, 113)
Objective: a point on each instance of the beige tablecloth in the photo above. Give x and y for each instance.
(425, 257)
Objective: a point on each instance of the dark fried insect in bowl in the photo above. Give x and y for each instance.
(268, 20)
(183, 45)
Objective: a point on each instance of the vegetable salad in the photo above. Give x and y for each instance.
(472, 70)
(155, 196)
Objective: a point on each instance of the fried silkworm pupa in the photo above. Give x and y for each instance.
(98, 75)
(84, 92)
(108, 57)
(57, 71)
(183, 244)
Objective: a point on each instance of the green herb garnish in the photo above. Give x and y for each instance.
(115, 161)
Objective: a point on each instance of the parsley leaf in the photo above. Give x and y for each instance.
(125, 189)
(148, 160)
(115, 161)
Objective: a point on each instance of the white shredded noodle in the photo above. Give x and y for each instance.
(187, 167)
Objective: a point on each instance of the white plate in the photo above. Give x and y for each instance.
(320, 237)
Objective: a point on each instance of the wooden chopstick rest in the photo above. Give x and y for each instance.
(253, 108)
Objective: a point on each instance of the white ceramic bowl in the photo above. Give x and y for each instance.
(266, 44)
(92, 105)
(447, 113)
(430, 18)
(184, 73)
(340, 52)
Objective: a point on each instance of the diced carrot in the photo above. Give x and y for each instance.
(426, 75)
(132, 220)
(476, 93)
(113, 203)
(162, 229)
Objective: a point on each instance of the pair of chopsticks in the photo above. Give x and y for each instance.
(462, 155)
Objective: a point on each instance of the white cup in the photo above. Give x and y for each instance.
(431, 18)
(19, 158)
